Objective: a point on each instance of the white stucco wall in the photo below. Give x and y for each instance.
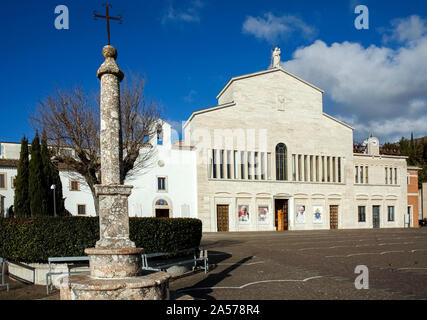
(8, 192)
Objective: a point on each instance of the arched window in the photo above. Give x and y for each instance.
(281, 162)
(161, 202)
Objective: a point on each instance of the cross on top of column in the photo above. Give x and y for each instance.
(108, 18)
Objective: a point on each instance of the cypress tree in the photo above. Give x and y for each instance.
(37, 188)
(412, 150)
(22, 198)
(47, 176)
(56, 180)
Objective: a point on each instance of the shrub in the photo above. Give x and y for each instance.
(34, 240)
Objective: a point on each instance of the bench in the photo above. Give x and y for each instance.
(3, 263)
(198, 255)
(49, 274)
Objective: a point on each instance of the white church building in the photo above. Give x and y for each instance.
(266, 157)
(157, 189)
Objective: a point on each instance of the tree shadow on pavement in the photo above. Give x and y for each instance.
(203, 288)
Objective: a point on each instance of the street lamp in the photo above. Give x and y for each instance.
(53, 187)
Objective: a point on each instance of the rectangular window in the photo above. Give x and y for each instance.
(311, 168)
(329, 168)
(317, 169)
(236, 167)
(366, 175)
(13, 181)
(305, 168)
(242, 165)
(356, 178)
(408, 179)
(299, 167)
(74, 185)
(391, 175)
(395, 175)
(228, 164)
(262, 166)
(221, 164)
(2, 180)
(361, 174)
(214, 162)
(81, 209)
(362, 213)
(269, 166)
(386, 176)
(256, 165)
(249, 165)
(161, 184)
(339, 169)
(323, 169)
(294, 172)
(334, 169)
(390, 213)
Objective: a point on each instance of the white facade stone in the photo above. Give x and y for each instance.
(272, 107)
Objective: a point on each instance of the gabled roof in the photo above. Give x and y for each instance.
(232, 103)
(221, 106)
(265, 72)
(339, 121)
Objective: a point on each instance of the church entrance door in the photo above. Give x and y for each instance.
(162, 213)
(222, 218)
(281, 214)
(333, 213)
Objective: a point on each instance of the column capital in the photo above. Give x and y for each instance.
(110, 66)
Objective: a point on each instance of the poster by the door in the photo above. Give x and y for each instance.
(263, 214)
(300, 214)
(243, 214)
(317, 214)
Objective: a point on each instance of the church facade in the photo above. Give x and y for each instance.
(269, 158)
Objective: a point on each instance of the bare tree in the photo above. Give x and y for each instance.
(71, 121)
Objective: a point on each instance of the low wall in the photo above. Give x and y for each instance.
(36, 272)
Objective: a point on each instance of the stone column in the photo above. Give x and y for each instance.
(115, 262)
(113, 202)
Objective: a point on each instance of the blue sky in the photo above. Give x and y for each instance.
(375, 80)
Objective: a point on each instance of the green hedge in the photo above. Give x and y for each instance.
(37, 239)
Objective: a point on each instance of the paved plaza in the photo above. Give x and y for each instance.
(298, 265)
(311, 265)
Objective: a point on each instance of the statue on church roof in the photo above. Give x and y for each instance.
(276, 57)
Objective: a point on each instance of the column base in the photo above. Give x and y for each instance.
(154, 286)
(110, 263)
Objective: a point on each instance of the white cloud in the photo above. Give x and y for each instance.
(272, 28)
(406, 30)
(191, 13)
(376, 89)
